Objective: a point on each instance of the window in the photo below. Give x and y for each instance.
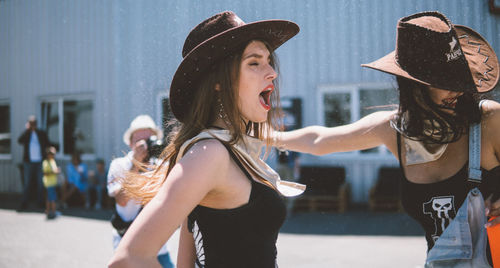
(346, 104)
(337, 109)
(69, 124)
(4, 128)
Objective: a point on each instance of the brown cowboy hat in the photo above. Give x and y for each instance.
(212, 40)
(433, 51)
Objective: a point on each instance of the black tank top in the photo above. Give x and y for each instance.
(240, 237)
(434, 205)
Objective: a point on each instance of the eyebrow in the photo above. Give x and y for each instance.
(255, 55)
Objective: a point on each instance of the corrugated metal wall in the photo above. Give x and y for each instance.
(123, 53)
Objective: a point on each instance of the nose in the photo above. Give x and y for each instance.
(271, 73)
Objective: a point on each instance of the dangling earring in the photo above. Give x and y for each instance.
(222, 113)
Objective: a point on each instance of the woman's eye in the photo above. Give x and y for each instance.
(254, 64)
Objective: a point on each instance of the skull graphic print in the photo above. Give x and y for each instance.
(442, 210)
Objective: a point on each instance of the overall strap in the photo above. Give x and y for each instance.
(475, 150)
(398, 140)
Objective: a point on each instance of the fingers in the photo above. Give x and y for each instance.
(492, 222)
(140, 150)
(487, 205)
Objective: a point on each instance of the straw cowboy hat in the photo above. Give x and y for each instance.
(141, 122)
(212, 40)
(433, 51)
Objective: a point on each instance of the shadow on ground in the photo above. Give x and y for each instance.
(357, 221)
(11, 201)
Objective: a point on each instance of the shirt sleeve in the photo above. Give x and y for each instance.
(115, 171)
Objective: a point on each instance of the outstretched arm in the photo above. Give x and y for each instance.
(368, 132)
(189, 181)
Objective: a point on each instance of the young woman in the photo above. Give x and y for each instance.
(440, 69)
(212, 182)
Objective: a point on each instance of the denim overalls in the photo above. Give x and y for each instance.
(463, 242)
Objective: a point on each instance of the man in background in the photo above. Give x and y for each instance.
(35, 144)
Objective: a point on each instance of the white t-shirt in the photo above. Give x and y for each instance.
(35, 148)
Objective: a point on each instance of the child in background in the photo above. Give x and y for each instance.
(50, 171)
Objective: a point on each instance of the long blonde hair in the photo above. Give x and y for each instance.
(203, 113)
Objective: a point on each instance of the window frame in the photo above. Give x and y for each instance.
(355, 109)
(9, 155)
(59, 99)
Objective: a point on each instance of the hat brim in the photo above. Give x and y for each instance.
(212, 50)
(128, 134)
(479, 55)
(389, 65)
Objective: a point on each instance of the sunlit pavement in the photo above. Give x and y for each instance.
(82, 238)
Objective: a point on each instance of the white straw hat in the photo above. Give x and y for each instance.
(142, 121)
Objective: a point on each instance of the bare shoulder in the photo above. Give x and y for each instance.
(384, 129)
(491, 115)
(210, 150)
(203, 164)
(381, 117)
(380, 121)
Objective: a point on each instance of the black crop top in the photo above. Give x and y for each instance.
(434, 205)
(240, 237)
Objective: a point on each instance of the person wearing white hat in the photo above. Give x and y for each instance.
(140, 130)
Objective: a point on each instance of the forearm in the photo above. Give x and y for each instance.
(319, 140)
(22, 139)
(305, 140)
(127, 260)
(368, 132)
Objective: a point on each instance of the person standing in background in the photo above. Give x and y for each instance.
(35, 142)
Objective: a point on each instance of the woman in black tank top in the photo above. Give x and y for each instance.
(211, 181)
(441, 69)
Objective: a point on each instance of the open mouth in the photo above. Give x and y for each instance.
(265, 97)
(450, 102)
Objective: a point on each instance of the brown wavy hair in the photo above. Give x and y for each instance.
(203, 113)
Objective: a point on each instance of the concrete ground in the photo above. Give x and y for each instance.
(82, 238)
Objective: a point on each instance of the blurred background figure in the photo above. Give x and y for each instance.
(50, 171)
(35, 142)
(98, 181)
(75, 191)
(139, 137)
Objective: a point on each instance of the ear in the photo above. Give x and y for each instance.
(217, 87)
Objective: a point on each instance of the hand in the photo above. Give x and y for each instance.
(140, 150)
(492, 205)
(121, 198)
